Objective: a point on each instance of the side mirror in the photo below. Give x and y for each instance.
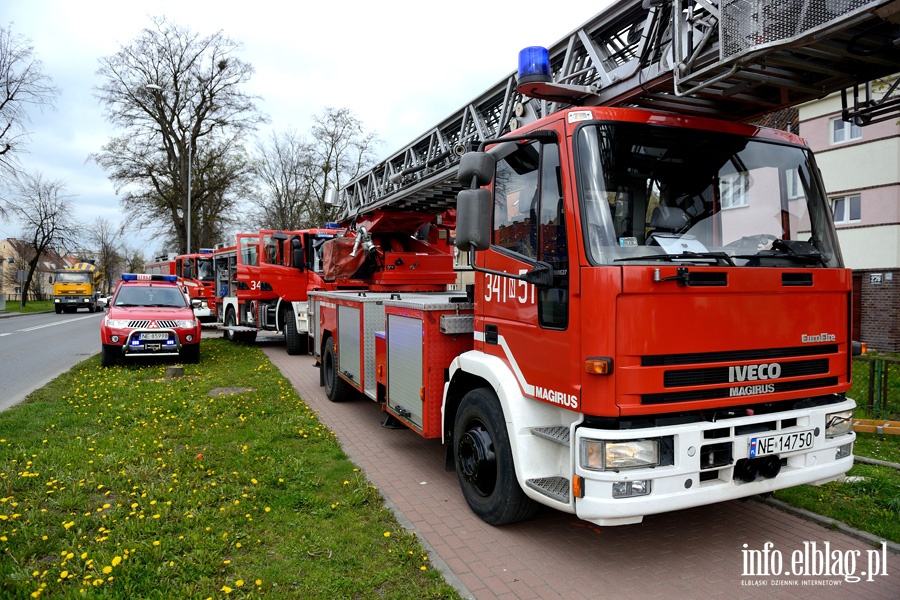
(476, 168)
(297, 255)
(473, 219)
(196, 303)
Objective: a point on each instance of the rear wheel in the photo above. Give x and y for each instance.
(484, 462)
(108, 355)
(296, 342)
(335, 387)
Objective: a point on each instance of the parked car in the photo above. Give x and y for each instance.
(149, 315)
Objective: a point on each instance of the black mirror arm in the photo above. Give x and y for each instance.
(540, 275)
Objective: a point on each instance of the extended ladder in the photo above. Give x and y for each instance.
(729, 59)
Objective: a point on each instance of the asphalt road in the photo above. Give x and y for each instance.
(35, 348)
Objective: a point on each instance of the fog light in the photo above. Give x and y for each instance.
(114, 338)
(628, 489)
(189, 338)
(844, 451)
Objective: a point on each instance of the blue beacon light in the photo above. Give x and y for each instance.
(534, 65)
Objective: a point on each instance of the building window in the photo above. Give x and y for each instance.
(734, 190)
(846, 209)
(794, 185)
(842, 131)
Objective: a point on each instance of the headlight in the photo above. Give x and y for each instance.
(606, 455)
(186, 324)
(839, 423)
(117, 323)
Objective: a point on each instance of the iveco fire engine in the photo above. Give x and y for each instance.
(262, 284)
(660, 317)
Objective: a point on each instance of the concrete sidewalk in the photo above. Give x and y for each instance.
(696, 553)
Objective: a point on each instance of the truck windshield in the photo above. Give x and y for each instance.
(651, 193)
(69, 277)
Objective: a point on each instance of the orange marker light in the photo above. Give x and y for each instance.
(599, 366)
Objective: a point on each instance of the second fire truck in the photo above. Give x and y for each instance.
(261, 284)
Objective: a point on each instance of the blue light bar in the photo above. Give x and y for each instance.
(332, 225)
(146, 277)
(534, 65)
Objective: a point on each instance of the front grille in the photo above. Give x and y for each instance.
(715, 375)
(167, 324)
(138, 324)
(666, 360)
(693, 396)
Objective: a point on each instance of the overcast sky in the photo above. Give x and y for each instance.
(400, 66)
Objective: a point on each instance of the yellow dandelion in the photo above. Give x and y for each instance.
(387, 534)
(156, 542)
(239, 582)
(226, 589)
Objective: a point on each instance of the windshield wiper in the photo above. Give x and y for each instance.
(686, 255)
(794, 250)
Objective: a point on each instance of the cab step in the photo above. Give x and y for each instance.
(558, 434)
(552, 487)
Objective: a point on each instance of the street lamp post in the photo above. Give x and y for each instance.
(158, 88)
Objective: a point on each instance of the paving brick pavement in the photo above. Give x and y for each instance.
(695, 553)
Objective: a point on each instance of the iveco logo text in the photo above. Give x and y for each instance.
(819, 337)
(754, 372)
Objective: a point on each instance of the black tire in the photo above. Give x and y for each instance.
(296, 342)
(335, 387)
(230, 321)
(92, 309)
(109, 355)
(58, 309)
(484, 463)
(191, 353)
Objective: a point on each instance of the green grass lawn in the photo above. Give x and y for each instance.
(32, 306)
(222, 483)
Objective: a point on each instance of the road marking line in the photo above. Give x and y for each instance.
(57, 323)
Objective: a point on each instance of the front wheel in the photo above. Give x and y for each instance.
(230, 322)
(484, 461)
(108, 355)
(191, 353)
(295, 341)
(335, 387)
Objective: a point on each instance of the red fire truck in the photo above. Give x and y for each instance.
(660, 316)
(196, 276)
(262, 282)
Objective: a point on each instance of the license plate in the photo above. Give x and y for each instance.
(779, 444)
(154, 336)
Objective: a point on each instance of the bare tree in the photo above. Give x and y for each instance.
(23, 85)
(343, 150)
(285, 171)
(44, 213)
(134, 260)
(178, 98)
(293, 174)
(106, 243)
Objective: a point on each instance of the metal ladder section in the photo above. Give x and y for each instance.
(730, 59)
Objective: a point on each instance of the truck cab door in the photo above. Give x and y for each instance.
(526, 326)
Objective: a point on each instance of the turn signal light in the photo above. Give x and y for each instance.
(599, 366)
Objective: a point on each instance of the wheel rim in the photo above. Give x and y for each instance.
(476, 459)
